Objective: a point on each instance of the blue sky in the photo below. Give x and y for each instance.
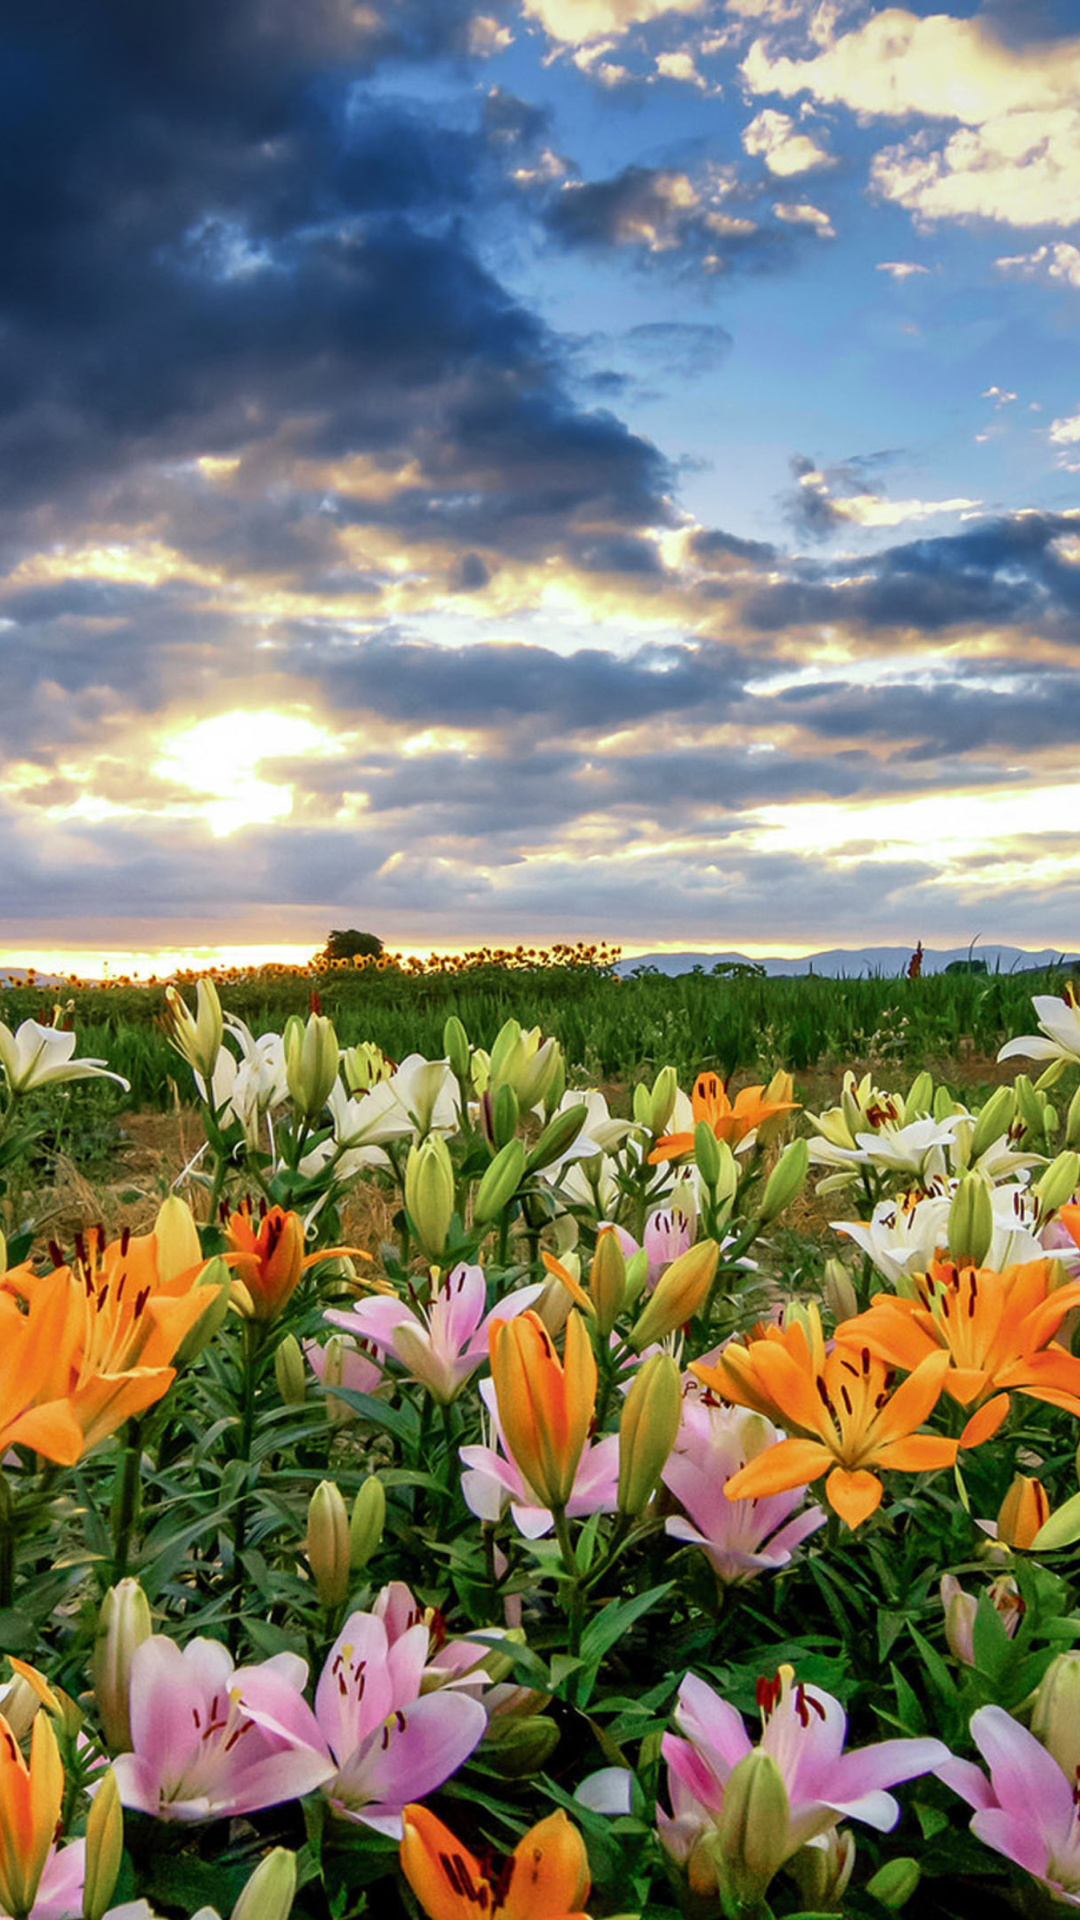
(541, 469)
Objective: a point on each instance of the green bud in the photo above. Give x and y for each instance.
(994, 1119)
(679, 1293)
(1057, 1184)
(290, 1371)
(1050, 1075)
(328, 1544)
(500, 1182)
(707, 1153)
(505, 1114)
(456, 1047)
(944, 1104)
(750, 1843)
(786, 1181)
(311, 1063)
(642, 1104)
(271, 1890)
(661, 1100)
(607, 1280)
(1029, 1105)
(522, 1748)
(971, 1221)
(1072, 1121)
(104, 1847)
(367, 1522)
(840, 1295)
(197, 1037)
(507, 1052)
(123, 1624)
(637, 1272)
(822, 1871)
(429, 1193)
(558, 1137)
(919, 1098)
(556, 1090)
(363, 1066)
(650, 1420)
(895, 1882)
(215, 1275)
(1055, 1718)
(538, 1075)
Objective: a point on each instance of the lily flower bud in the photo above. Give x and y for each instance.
(751, 1839)
(363, 1066)
(311, 1063)
(823, 1868)
(367, 1522)
(539, 1074)
(328, 1544)
(994, 1119)
(707, 1153)
(780, 1088)
(1072, 1121)
(1028, 1104)
(429, 1193)
(123, 1624)
(271, 1890)
(176, 1239)
(661, 1100)
(895, 1882)
(679, 1294)
(500, 1182)
(197, 1037)
(1024, 1510)
(919, 1099)
(290, 1371)
(104, 1847)
(456, 1047)
(558, 1136)
(840, 1296)
(521, 1746)
(607, 1280)
(786, 1181)
(650, 1420)
(1055, 1719)
(971, 1221)
(1057, 1184)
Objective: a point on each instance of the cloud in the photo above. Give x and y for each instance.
(661, 215)
(686, 347)
(1057, 261)
(774, 138)
(576, 22)
(1016, 155)
(901, 269)
(800, 213)
(823, 502)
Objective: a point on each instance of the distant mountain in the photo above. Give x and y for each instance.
(858, 962)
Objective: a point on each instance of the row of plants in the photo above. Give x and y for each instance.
(609, 1028)
(566, 1554)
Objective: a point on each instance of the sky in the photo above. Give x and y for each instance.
(538, 470)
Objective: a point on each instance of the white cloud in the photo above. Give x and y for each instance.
(486, 36)
(1059, 260)
(873, 509)
(800, 213)
(773, 137)
(1066, 431)
(1016, 155)
(1001, 396)
(900, 269)
(575, 22)
(680, 66)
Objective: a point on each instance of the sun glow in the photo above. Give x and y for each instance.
(218, 760)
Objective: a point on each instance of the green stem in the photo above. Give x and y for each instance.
(7, 1544)
(573, 1592)
(252, 1343)
(126, 1499)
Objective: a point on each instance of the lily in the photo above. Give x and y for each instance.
(546, 1405)
(1058, 1037)
(388, 1743)
(268, 1259)
(37, 1056)
(839, 1408)
(995, 1330)
(443, 1343)
(492, 1479)
(31, 1796)
(212, 1741)
(1027, 1810)
(803, 1733)
(740, 1538)
(734, 1121)
(545, 1878)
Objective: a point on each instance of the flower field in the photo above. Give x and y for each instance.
(590, 1542)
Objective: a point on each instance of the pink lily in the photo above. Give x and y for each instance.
(492, 1478)
(1027, 1810)
(803, 1732)
(962, 1607)
(444, 1343)
(740, 1538)
(60, 1889)
(449, 1663)
(360, 1373)
(211, 1740)
(669, 1232)
(390, 1746)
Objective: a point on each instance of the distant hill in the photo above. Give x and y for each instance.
(859, 962)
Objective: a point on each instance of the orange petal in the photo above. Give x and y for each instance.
(985, 1423)
(566, 1279)
(51, 1430)
(551, 1871)
(919, 1453)
(791, 1463)
(446, 1878)
(853, 1495)
(914, 1398)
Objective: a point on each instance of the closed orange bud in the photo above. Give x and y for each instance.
(546, 1405)
(1024, 1510)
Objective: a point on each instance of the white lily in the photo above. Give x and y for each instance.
(1059, 1030)
(37, 1056)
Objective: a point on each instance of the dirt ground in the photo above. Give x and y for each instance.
(155, 1147)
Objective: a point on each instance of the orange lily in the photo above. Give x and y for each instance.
(30, 1801)
(730, 1121)
(841, 1411)
(268, 1259)
(546, 1405)
(1024, 1510)
(545, 1878)
(996, 1330)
